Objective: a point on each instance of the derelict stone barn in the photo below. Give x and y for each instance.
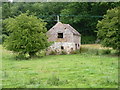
(65, 38)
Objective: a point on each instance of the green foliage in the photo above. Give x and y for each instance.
(41, 53)
(83, 49)
(75, 52)
(0, 39)
(52, 52)
(27, 34)
(95, 51)
(56, 81)
(106, 51)
(63, 52)
(88, 39)
(91, 51)
(83, 16)
(21, 56)
(108, 29)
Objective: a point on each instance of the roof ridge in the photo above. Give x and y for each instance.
(60, 24)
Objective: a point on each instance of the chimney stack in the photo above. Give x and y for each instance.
(58, 18)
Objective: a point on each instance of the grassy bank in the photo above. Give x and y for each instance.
(60, 71)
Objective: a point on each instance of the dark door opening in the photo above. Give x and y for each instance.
(62, 47)
(76, 46)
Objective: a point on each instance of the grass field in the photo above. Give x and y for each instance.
(60, 71)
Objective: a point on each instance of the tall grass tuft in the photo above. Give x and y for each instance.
(95, 51)
(56, 81)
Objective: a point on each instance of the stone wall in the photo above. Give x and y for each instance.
(67, 36)
(61, 46)
(70, 41)
(77, 40)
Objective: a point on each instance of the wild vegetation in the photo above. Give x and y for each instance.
(27, 34)
(83, 16)
(93, 66)
(108, 30)
(85, 70)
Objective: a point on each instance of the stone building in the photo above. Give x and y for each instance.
(65, 38)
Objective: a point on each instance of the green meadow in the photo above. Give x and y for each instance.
(60, 71)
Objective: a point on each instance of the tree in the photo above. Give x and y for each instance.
(108, 31)
(27, 34)
(83, 16)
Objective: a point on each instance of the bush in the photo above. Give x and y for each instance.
(106, 51)
(24, 31)
(52, 53)
(75, 52)
(41, 53)
(22, 56)
(83, 49)
(88, 39)
(63, 52)
(97, 52)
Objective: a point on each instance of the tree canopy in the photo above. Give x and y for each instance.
(108, 31)
(27, 34)
(83, 16)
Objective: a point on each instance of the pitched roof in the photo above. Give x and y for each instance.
(60, 25)
(71, 29)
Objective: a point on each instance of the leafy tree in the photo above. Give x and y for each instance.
(108, 29)
(27, 34)
(83, 16)
(0, 25)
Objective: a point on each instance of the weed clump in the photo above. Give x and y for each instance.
(106, 51)
(55, 81)
(75, 51)
(63, 52)
(22, 56)
(52, 53)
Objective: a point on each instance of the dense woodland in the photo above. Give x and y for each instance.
(82, 16)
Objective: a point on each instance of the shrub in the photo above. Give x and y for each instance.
(97, 52)
(88, 40)
(83, 49)
(106, 51)
(63, 52)
(41, 53)
(52, 53)
(75, 52)
(22, 56)
(27, 34)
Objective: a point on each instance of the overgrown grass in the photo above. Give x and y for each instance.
(97, 49)
(60, 71)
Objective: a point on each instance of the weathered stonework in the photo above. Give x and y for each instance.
(69, 40)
